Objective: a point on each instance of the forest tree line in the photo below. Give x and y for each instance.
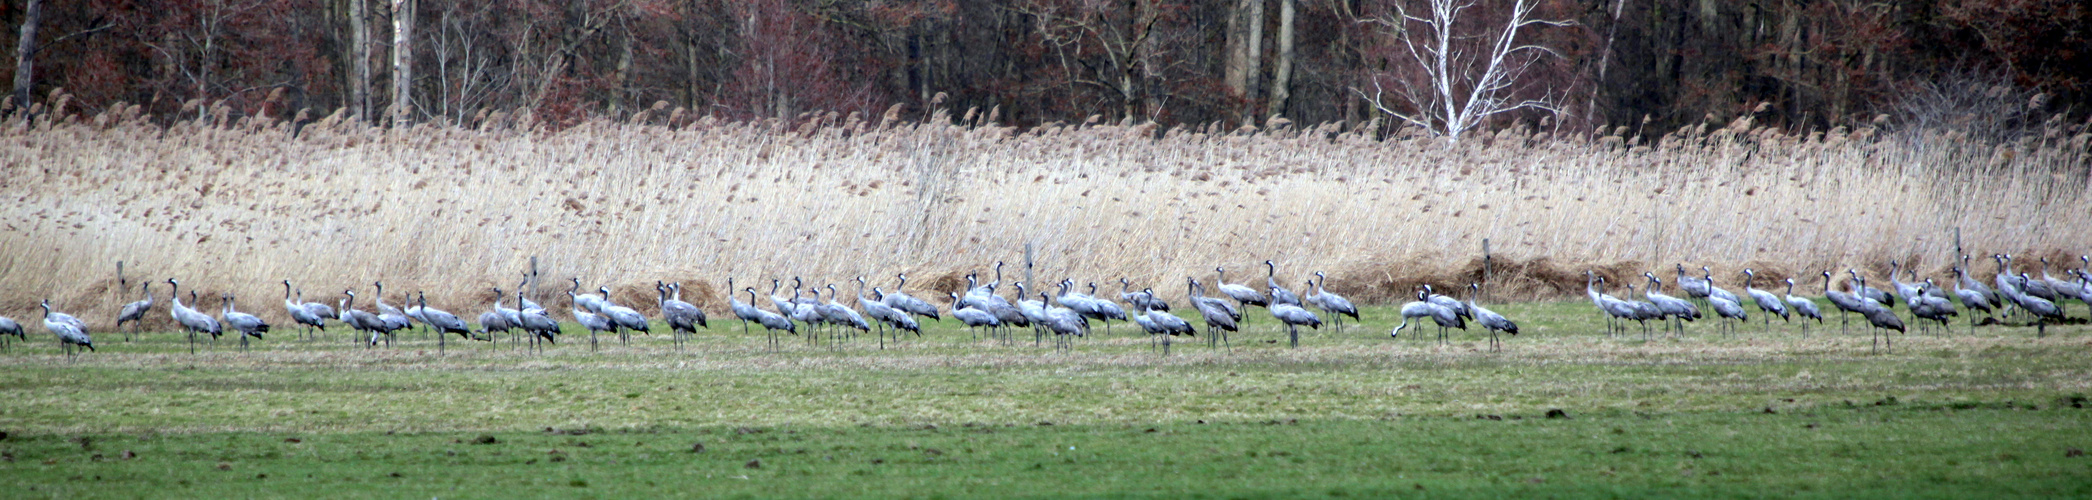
(1649, 65)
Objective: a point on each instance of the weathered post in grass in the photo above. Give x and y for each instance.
(1027, 267)
(1956, 259)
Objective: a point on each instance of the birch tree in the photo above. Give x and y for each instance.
(1457, 68)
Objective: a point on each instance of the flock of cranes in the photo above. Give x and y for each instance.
(1923, 299)
(1067, 313)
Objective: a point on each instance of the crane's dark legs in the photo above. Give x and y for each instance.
(1293, 333)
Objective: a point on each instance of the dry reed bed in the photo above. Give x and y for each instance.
(456, 210)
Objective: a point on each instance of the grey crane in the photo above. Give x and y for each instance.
(1422, 307)
(1336, 305)
(2043, 309)
(384, 309)
(2008, 285)
(1220, 319)
(1293, 316)
(195, 322)
(2038, 287)
(1678, 310)
(1903, 290)
(2062, 289)
(683, 318)
(8, 326)
(742, 310)
(974, 318)
(903, 302)
(1279, 294)
(624, 318)
(1925, 305)
(305, 317)
(1143, 299)
(895, 318)
(809, 315)
(496, 320)
(1166, 325)
(1845, 302)
(784, 305)
(359, 319)
(1766, 300)
(1643, 312)
(134, 312)
(1883, 319)
(247, 324)
(442, 321)
(592, 321)
(1727, 310)
(1453, 304)
(1871, 293)
(1031, 312)
(1065, 324)
(1612, 307)
(1707, 275)
(511, 316)
(878, 313)
(770, 321)
(803, 302)
(1106, 310)
(69, 330)
(535, 322)
(1964, 280)
(592, 302)
(1244, 296)
(1081, 303)
(841, 315)
(392, 318)
(1972, 297)
(1804, 307)
(1490, 320)
(1693, 286)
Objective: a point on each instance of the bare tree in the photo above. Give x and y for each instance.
(402, 61)
(1460, 70)
(359, 54)
(1282, 81)
(1245, 53)
(25, 53)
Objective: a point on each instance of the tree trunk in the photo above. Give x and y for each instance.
(1245, 52)
(1282, 83)
(402, 61)
(622, 78)
(359, 49)
(25, 53)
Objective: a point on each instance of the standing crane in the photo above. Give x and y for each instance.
(442, 321)
(1494, 322)
(1244, 296)
(592, 321)
(900, 300)
(306, 317)
(1845, 302)
(534, 322)
(496, 320)
(1279, 294)
(1972, 293)
(1336, 305)
(8, 326)
(69, 330)
(974, 318)
(1677, 309)
(682, 318)
(1424, 308)
(1727, 310)
(1766, 300)
(247, 324)
(742, 310)
(1804, 307)
(2041, 308)
(1293, 316)
(134, 313)
(195, 322)
(771, 322)
(1220, 319)
(358, 319)
(622, 317)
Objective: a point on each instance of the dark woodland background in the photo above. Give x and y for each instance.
(1653, 65)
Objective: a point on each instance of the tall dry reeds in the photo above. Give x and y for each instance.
(239, 206)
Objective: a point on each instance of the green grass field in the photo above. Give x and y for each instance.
(1348, 414)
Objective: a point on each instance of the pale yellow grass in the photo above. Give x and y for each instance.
(455, 211)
